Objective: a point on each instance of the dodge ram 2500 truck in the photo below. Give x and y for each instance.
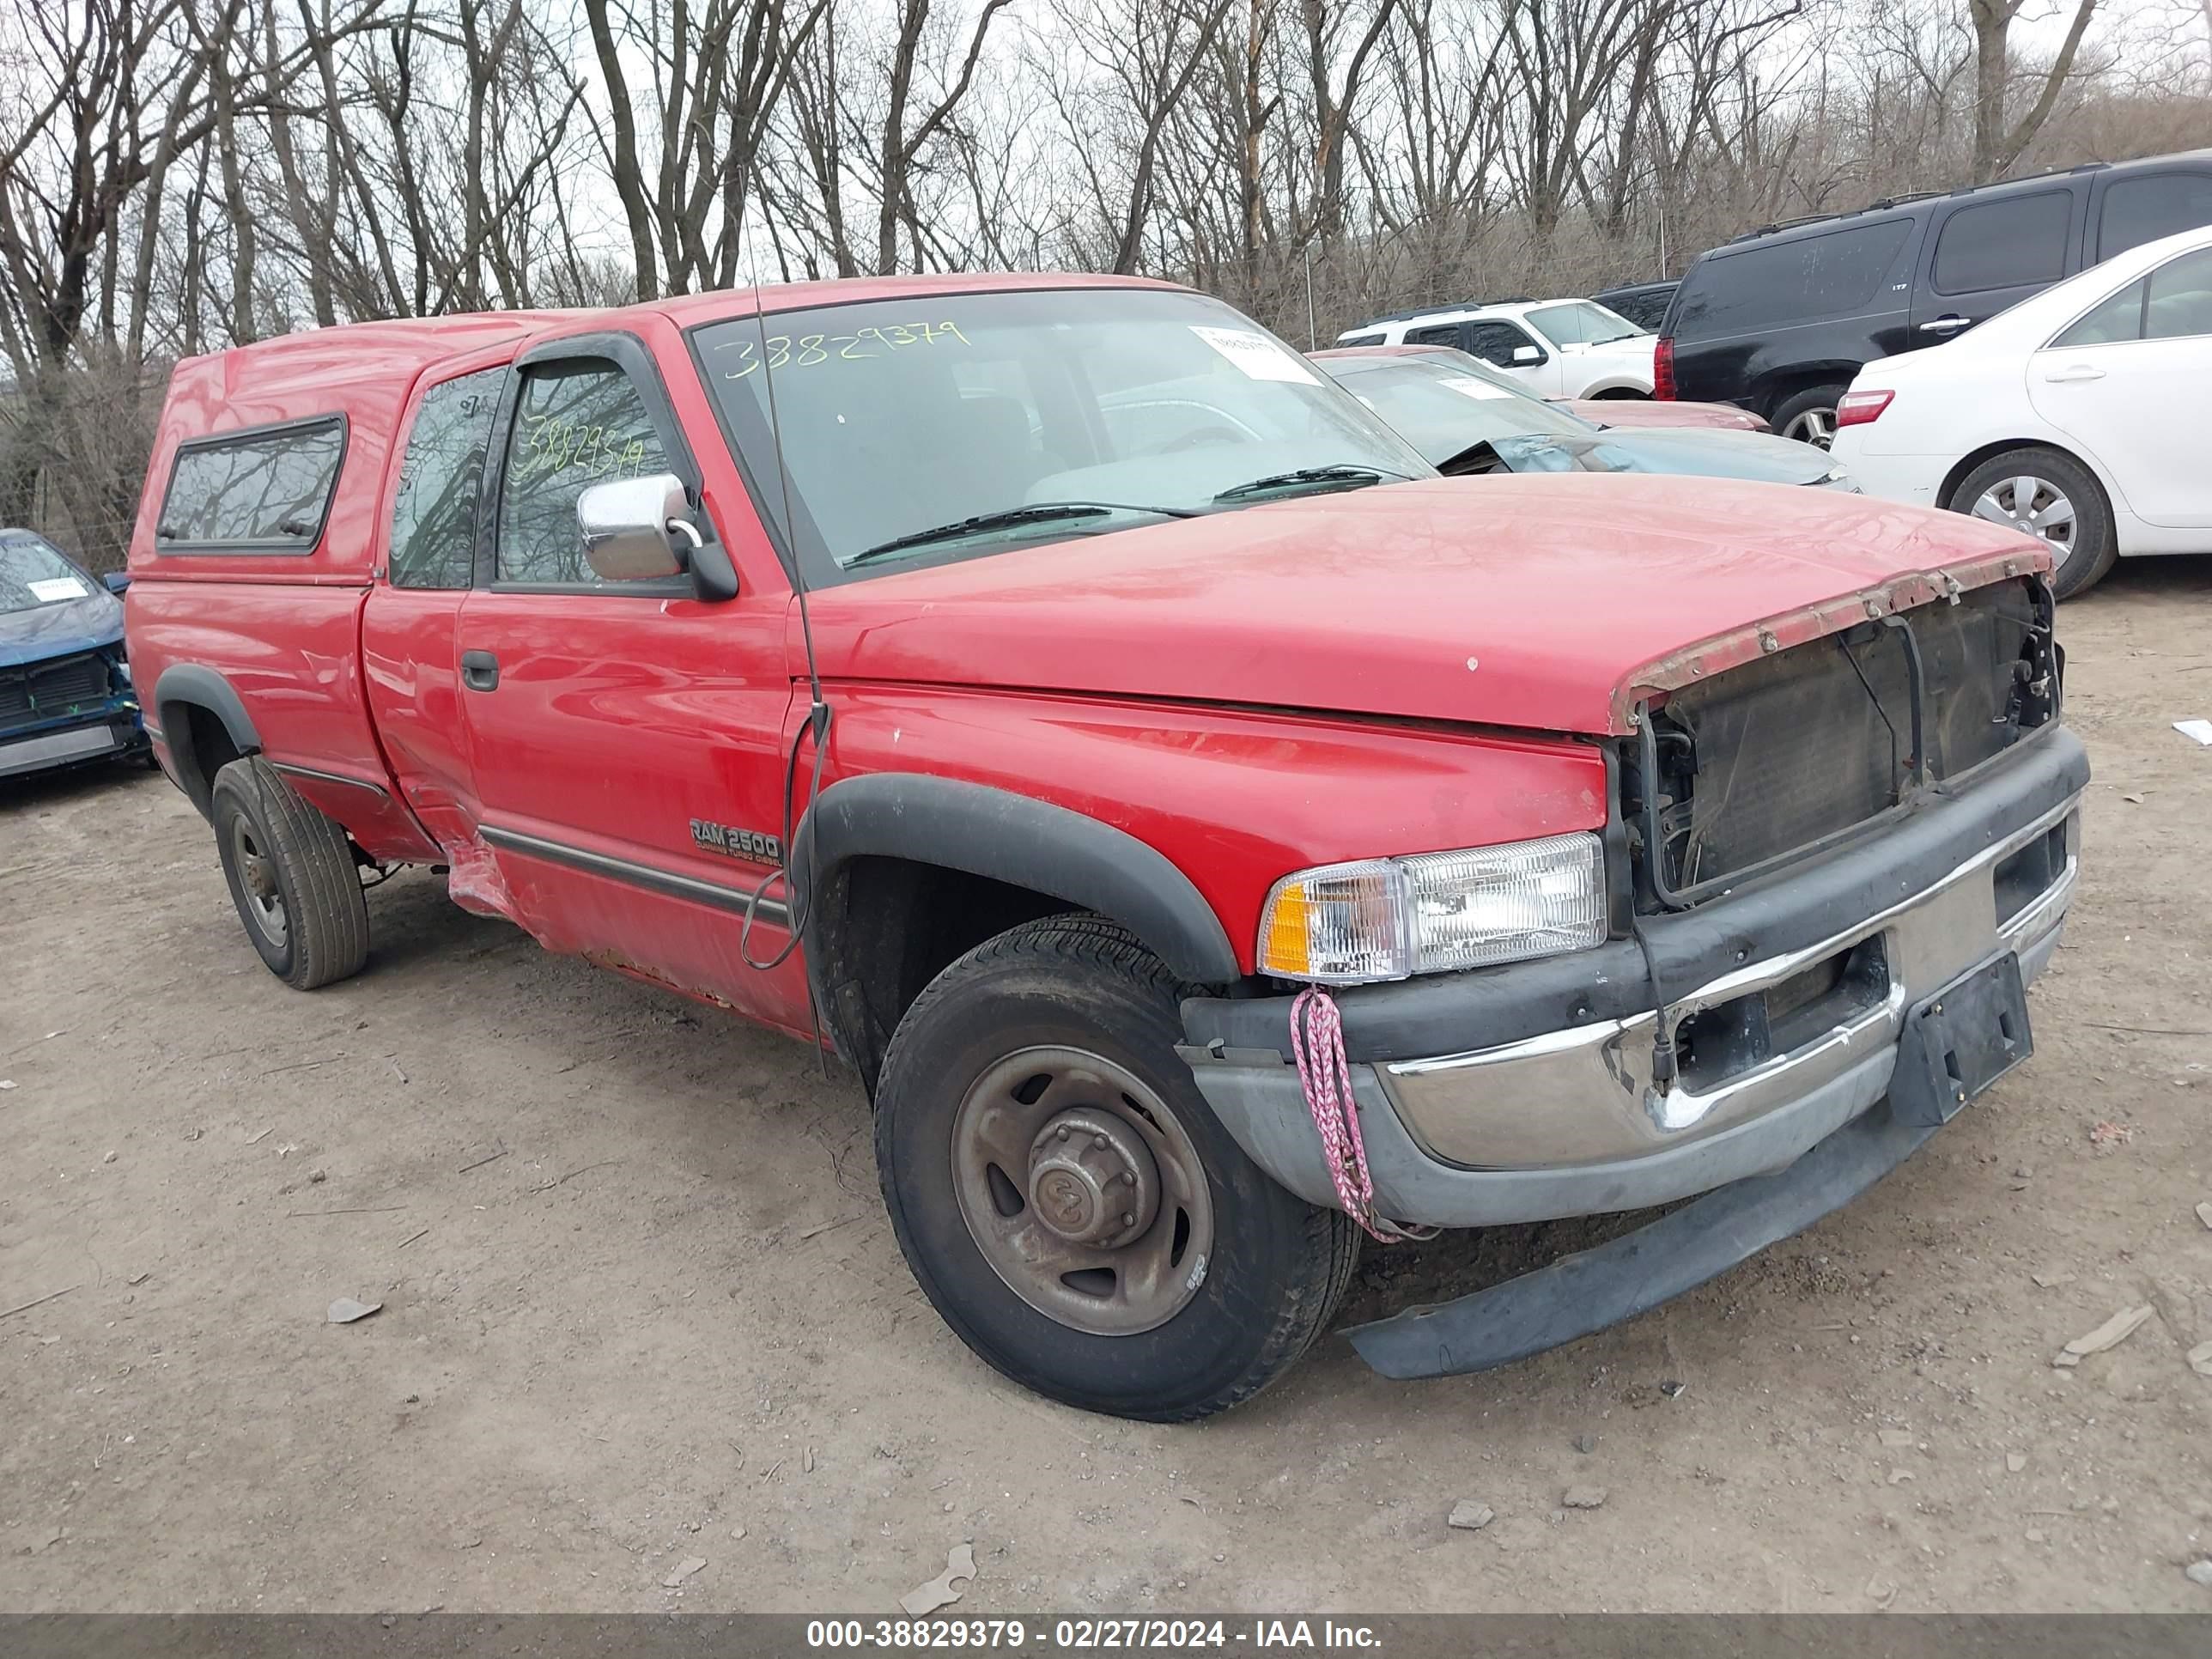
(1036, 688)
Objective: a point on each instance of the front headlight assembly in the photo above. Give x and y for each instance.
(1437, 913)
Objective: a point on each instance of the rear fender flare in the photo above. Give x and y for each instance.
(1015, 838)
(187, 684)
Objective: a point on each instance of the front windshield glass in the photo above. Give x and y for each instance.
(1043, 414)
(1582, 322)
(1444, 409)
(32, 573)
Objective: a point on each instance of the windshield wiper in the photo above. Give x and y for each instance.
(1012, 519)
(1317, 477)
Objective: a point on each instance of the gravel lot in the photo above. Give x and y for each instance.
(641, 1304)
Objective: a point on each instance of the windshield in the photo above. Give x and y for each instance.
(946, 424)
(1582, 322)
(1444, 407)
(32, 573)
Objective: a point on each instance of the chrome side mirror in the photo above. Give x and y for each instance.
(632, 528)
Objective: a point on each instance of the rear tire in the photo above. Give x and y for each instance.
(1810, 415)
(1072, 1022)
(2033, 481)
(292, 875)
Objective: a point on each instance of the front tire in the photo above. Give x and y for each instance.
(292, 875)
(2053, 497)
(1068, 1202)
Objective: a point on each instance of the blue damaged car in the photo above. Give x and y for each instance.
(65, 689)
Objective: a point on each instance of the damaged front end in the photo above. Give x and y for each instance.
(1853, 839)
(1737, 772)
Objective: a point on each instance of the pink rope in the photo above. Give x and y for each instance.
(1317, 1045)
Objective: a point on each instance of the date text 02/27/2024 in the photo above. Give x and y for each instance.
(1087, 1635)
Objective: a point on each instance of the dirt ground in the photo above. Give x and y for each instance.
(641, 1303)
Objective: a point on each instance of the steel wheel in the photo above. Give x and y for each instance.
(1082, 1191)
(1816, 426)
(257, 874)
(2034, 507)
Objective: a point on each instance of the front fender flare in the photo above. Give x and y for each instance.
(1011, 837)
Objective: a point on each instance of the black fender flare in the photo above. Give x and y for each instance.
(1011, 837)
(189, 682)
(193, 683)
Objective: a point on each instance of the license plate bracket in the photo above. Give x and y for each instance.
(1959, 1041)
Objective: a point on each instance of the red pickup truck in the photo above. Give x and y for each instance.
(1095, 691)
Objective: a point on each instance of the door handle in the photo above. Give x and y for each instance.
(2073, 374)
(1945, 324)
(479, 671)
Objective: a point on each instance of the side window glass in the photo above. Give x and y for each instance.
(1494, 343)
(2180, 303)
(2119, 318)
(1434, 334)
(264, 492)
(2139, 210)
(1831, 275)
(1362, 340)
(434, 520)
(576, 426)
(2005, 244)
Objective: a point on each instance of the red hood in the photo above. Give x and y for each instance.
(1542, 602)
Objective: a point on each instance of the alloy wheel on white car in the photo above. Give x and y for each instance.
(2034, 507)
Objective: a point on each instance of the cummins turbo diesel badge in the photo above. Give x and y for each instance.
(736, 844)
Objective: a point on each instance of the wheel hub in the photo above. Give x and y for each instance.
(257, 876)
(1092, 1180)
(1082, 1190)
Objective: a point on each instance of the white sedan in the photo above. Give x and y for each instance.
(2078, 416)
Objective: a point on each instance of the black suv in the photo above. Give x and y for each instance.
(1779, 320)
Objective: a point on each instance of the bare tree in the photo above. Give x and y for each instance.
(1998, 141)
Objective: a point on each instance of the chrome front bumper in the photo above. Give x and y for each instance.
(1777, 1049)
(1586, 1095)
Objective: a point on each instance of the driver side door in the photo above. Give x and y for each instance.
(627, 739)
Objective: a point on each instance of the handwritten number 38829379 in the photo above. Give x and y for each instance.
(807, 350)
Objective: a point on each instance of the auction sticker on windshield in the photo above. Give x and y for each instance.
(1258, 356)
(1469, 387)
(54, 589)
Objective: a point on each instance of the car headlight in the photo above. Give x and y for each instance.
(1378, 919)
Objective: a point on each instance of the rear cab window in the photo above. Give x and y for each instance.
(1775, 284)
(264, 491)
